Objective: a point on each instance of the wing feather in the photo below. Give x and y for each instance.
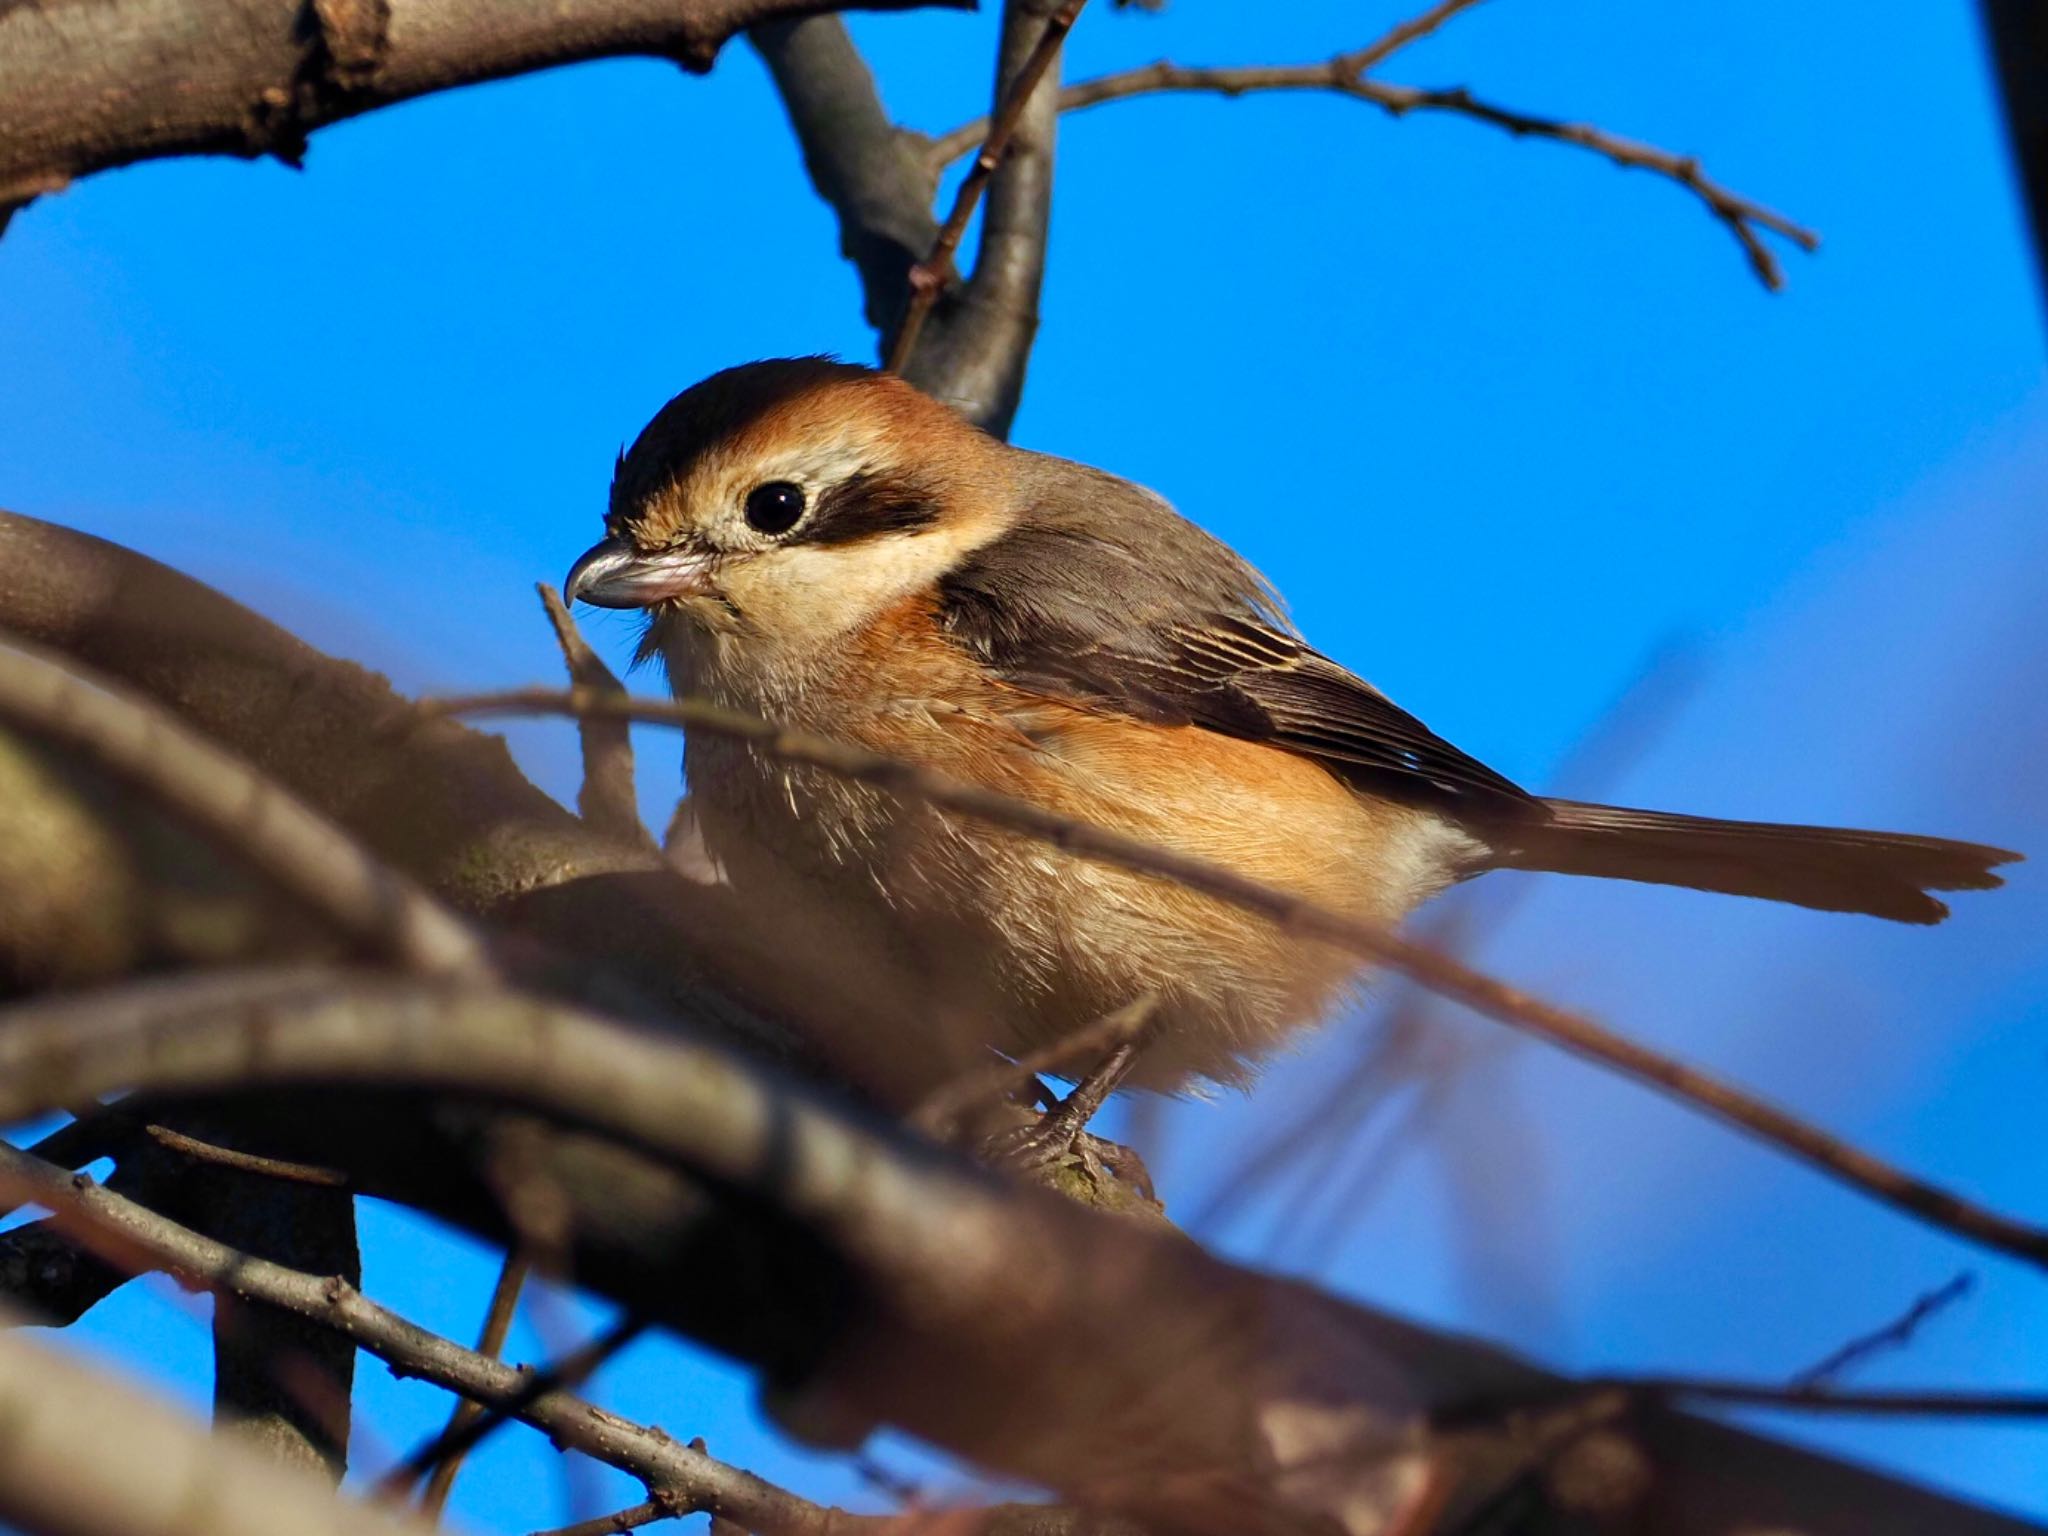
(1134, 610)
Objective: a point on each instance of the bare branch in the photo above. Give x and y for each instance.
(977, 360)
(233, 804)
(490, 1344)
(683, 1479)
(563, 1375)
(57, 1421)
(1896, 1334)
(871, 174)
(280, 1384)
(93, 87)
(1894, 1404)
(631, 1518)
(1000, 1322)
(1344, 75)
(972, 340)
(1402, 33)
(1849, 1165)
(609, 798)
(443, 803)
(692, 1479)
(1007, 1324)
(246, 1162)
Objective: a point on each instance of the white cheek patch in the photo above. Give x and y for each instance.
(808, 594)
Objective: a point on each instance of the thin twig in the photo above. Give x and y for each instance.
(985, 1083)
(608, 799)
(1343, 75)
(146, 1240)
(1896, 1334)
(233, 804)
(1401, 34)
(685, 1479)
(1910, 1404)
(929, 277)
(246, 1162)
(661, 1507)
(1376, 942)
(490, 1344)
(559, 1376)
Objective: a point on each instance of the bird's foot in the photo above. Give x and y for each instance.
(1057, 1146)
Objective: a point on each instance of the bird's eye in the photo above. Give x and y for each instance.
(774, 507)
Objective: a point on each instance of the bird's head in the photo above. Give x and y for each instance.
(779, 505)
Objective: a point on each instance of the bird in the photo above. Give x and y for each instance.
(822, 545)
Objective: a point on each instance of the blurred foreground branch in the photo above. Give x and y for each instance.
(60, 1423)
(1110, 1360)
(870, 1278)
(1376, 942)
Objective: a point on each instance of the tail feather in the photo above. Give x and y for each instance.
(1885, 874)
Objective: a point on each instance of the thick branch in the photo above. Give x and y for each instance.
(1001, 1322)
(867, 171)
(238, 809)
(1109, 1359)
(442, 803)
(89, 87)
(975, 359)
(279, 1384)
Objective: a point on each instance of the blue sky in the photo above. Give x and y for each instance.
(1504, 422)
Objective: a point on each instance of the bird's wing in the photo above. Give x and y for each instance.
(1183, 632)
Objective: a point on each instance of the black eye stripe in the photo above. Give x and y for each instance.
(867, 505)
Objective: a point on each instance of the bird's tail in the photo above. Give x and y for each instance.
(1886, 874)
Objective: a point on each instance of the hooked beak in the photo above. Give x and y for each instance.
(612, 575)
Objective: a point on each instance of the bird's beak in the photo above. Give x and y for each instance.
(610, 574)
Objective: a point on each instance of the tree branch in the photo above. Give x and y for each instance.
(1896, 1334)
(2018, 33)
(279, 1383)
(96, 86)
(1887, 1404)
(609, 797)
(238, 809)
(870, 173)
(1848, 1165)
(977, 359)
(1005, 1323)
(647, 1512)
(1344, 75)
(442, 803)
(684, 1479)
(333, 1304)
(490, 1344)
(1106, 1358)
